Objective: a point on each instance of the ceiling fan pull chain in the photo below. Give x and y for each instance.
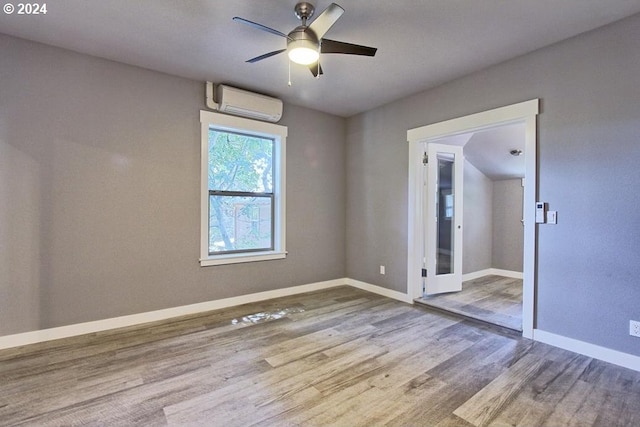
(289, 73)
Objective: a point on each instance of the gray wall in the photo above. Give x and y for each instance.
(99, 193)
(477, 232)
(99, 187)
(588, 150)
(493, 234)
(508, 232)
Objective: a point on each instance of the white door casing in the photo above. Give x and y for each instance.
(524, 112)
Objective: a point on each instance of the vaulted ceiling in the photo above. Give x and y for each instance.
(421, 44)
(490, 151)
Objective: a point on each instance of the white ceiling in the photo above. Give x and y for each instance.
(489, 151)
(420, 43)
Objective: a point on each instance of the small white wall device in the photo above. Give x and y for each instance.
(540, 212)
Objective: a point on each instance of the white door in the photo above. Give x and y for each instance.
(443, 242)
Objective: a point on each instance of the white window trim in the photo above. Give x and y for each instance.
(253, 127)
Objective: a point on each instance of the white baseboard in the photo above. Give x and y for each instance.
(380, 290)
(492, 271)
(17, 340)
(591, 350)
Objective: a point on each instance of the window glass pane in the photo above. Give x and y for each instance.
(445, 210)
(239, 223)
(240, 162)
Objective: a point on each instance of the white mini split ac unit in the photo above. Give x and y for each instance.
(231, 100)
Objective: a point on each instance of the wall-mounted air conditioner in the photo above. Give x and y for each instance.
(231, 100)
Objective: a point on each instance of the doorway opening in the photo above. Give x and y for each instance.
(491, 251)
(481, 170)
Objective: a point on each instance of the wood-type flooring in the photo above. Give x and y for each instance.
(493, 299)
(340, 357)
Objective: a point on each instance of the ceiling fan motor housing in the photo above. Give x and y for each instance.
(302, 33)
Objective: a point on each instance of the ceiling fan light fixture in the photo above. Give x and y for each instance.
(303, 52)
(305, 41)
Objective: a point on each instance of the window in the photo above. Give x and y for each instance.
(243, 191)
(448, 204)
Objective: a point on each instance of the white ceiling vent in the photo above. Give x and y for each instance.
(240, 102)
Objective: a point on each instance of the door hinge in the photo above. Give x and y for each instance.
(424, 272)
(425, 159)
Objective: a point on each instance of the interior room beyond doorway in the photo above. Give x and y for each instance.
(493, 238)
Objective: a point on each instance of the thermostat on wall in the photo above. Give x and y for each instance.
(540, 212)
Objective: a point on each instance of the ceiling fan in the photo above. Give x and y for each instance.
(305, 43)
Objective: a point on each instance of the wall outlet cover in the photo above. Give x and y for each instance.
(634, 328)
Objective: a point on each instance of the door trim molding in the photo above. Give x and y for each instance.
(523, 112)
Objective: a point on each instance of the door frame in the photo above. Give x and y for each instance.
(524, 112)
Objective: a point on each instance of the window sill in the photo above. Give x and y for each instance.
(239, 258)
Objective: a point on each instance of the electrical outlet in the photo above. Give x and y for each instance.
(382, 271)
(634, 328)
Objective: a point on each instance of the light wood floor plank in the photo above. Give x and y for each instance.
(482, 408)
(340, 357)
(493, 299)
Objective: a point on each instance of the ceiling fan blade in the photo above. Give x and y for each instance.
(332, 46)
(265, 56)
(326, 20)
(316, 69)
(261, 27)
